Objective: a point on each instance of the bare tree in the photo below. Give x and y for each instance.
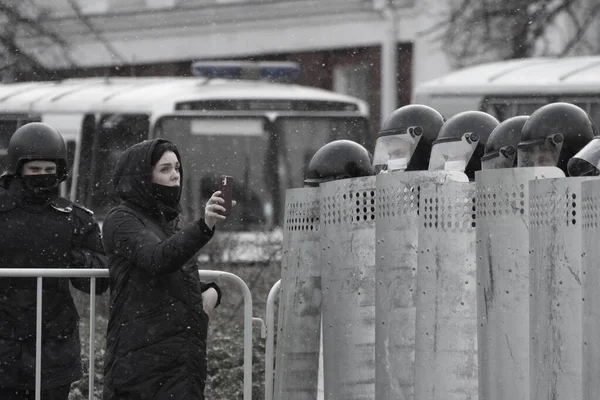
(25, 39)
(475, 31)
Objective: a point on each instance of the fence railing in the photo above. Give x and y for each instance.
(41, 273)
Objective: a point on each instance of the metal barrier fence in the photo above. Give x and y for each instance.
(41, 273)
(270, 345)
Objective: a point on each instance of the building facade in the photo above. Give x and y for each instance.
(371, 49)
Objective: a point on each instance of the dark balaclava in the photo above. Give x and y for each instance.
(168, 195)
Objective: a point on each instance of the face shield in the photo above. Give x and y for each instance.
(453, 154)
(503, 158)
(543, 152)
(393, 152)
(587, 161)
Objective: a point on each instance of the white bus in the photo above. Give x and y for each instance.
(262, 133)
(516, 87)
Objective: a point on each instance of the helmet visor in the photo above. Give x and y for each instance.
(454, 154)
(587, 161)
(540, 153)
(394, 152)
(503, 158)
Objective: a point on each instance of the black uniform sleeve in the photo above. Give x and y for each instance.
(132, 240)
(88, 251)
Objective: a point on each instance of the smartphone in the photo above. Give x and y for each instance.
(226, 193)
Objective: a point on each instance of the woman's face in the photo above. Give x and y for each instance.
(166, 170)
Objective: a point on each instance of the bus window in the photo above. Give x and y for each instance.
(65, 187)
(527, 108)
(264, 157)
(498, 109)
(101, 148)
(302, 137)
(503, 108)
(7, 128)
(211, 147)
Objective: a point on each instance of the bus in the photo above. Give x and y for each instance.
(242, 120)
(509, 88)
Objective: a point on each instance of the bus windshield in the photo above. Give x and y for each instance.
(264, 156)
(103, 141)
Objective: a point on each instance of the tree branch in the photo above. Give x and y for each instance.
(485, 30)
(581, 29)
(452, 18)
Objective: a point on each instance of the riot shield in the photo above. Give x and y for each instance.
(555, 288)
(397, 228)
(446, 323)
(298, 339)
(347, 220)
(590, 219)
(502, 248)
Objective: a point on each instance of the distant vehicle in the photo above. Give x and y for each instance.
(232, 118)
(516, 87)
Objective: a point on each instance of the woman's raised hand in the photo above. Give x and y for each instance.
(213, 210)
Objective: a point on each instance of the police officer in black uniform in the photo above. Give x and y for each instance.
(501, 146)
(405, 139)
(340, 159)
(40, 229)
(587, 161)
(553, 134)
(460, 144)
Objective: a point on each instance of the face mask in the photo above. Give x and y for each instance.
(503, 158)
(543, 152)
(453, 155)
(393, 152)
(168, 195)
(40, 188)
(40, 183)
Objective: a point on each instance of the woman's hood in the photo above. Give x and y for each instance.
(132, 179)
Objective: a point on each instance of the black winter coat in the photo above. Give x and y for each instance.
(156, 338)
(53, 234)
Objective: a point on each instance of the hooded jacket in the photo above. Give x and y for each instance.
(156, 337)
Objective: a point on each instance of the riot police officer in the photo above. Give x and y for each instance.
(340, 159)
(501, 147)
(406, 137)
(461, 141)
(553, 134)
(587, 161)
(40, 229)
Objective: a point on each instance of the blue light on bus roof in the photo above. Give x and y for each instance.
(267, 70)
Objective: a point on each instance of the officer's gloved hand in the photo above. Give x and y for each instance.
(78, 258)
(209, 300)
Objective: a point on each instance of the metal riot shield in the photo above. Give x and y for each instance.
(555, 320)
(590, 220)
(298, 339)
(397, 231)
(348, 282)
(446, 324)
(502, 248)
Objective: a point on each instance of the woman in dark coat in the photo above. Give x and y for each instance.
(156, 337)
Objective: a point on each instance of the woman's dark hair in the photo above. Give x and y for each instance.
(161, 149)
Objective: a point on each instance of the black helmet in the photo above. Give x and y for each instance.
(501, 147)
(36, 141)
(587, 161)
(406, 137)
(553, 134)
(461, 141)
(340, 159)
